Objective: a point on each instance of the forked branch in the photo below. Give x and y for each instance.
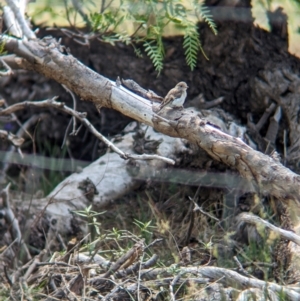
(82, 117)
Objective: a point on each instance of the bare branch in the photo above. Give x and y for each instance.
(5, 67)
(136, 88)
(81, 116)
(11, 22)
(27, 32)
(252, 219)
(74, 108)
(197, 208)
(223, 275)
(127, 259)
(79, 8)
(8, 157)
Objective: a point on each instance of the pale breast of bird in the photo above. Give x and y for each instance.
(178, 102)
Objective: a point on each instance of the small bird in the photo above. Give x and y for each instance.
(176, 96)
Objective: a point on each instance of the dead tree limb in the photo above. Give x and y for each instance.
(46, 57)
(80, 116)
(224, 276)
(252, 219)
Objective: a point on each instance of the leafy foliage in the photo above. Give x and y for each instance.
(191, 45)
(155, 53)
(143, 23)
(205, 14)
(90, 215)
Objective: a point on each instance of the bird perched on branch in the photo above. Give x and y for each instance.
(175, 97)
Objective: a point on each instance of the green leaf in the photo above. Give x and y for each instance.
(137, 52)
(205, 14)
(191, 45)
(149, 18)
(180, 10)
(156, 54)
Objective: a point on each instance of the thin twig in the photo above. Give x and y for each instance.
(284, 147)
(108, 5)
(8, 248)
(172, 283)
(138, 28)
(20, 133)
(197, 208)
(56, 263)
(71, 250)
(79, 8)
(66, 133)
(127, 259)
(102, 6)
(7, 276)
(13, 221)
(23, 127)
(67, 13)
(241, 269)
(155, 241)
(7, 68)
(252, 219)
(50, 201)
(34, 264)
(136, 267)
(74, 108)
(139, 276)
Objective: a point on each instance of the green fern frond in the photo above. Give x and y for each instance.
(101, 22)
(156, 54)
(124, 38)
(191, 45)
(207, 17)
(96, 20)
(137, 51)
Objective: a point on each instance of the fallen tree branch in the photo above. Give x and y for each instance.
(252, 219)
(225, 276)
(267, 174)
(127, 259)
